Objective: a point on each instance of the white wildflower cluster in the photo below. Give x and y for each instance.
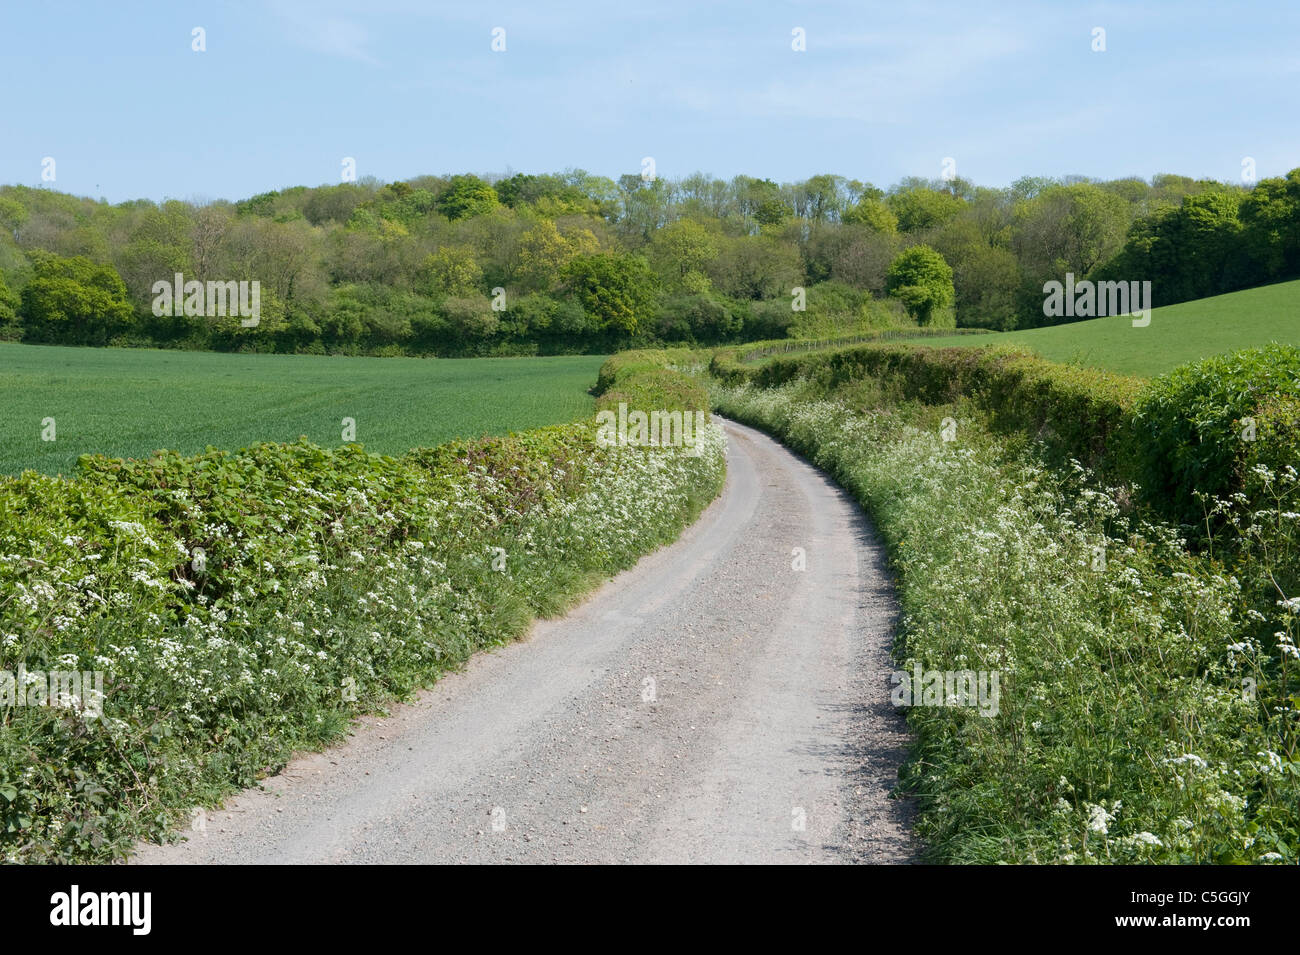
(1102, 625)
(265, 631)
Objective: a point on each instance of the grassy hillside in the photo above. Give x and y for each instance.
(1177, 333)
(128, 403)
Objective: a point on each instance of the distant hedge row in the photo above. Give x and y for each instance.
(1076, 412)
(653, 380)
(1203, 428)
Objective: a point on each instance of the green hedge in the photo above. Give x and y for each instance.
(745, 355)
(244, 605)
(648, 381)
(1199, 430)
(1203, 427)
(1077, 412)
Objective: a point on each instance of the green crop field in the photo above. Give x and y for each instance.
(128, 402)
(1177, 333)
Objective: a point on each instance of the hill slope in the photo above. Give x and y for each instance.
(1177, 333)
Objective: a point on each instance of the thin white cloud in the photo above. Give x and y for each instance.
(885, 87)
(332, 35)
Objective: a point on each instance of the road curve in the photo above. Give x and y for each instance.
(712, 704)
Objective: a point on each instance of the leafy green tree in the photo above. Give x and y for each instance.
(760, 200)
(12, 214)
(873, 214)
(644, 207)
(922, 281)
(819, 198)
(262, 204)
(344, 323)
(681, 252)
(333, 203)
(1070, 229)
(544, 252)
(466, 197)
(771, 212)
(616, 290)
(704, 197)
(1028, 187)
(470, 318)
(986, 278)
(1191, 251)
(158, 248)
(922, 208)
(756, 267)
(8, 311)
(549, 191)
(601, 191)
(413, 205)
(74, 301)
(1270, 221)
(452, 270)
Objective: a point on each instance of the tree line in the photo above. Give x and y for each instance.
(572, 262)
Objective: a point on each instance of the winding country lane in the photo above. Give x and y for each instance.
(711, 704)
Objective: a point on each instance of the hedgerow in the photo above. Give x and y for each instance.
(1075, 412)
(1202, 427)
(653, 380)
(244, 605)
(1141, 717)
(1196, 432)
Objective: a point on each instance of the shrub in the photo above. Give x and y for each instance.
(1198, 427)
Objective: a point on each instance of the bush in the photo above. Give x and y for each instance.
(1199, 427)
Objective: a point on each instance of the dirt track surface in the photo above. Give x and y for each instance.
(710, 705)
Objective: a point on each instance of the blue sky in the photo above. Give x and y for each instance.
(287, 88)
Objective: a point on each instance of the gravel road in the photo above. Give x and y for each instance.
(712, 704)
